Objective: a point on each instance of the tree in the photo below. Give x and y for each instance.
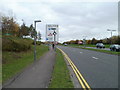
(94, 41)
(88, 41)
(76, 42)
(24, 30)
(118, 40)
(9, 26)
(32, 31)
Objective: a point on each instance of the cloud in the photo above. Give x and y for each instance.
(76, 18)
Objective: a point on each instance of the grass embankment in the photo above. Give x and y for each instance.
(61, 77)
(16, 44)
(14, 62)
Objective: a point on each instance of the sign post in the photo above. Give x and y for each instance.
(52, 33)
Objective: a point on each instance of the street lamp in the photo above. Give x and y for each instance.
(111, 33)
(35, 39)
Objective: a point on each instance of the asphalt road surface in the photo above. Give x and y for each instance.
(99, 69)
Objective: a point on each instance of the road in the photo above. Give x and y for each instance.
(99, 69)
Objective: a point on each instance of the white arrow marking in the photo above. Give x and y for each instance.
(94, 57)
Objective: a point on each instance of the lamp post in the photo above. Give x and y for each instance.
(35, 39)
(111, 33)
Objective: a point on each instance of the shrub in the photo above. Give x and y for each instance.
(16, 44)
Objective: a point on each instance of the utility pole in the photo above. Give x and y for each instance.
(111, 33)
(35, 37)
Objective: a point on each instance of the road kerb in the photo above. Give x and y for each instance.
(79, 76)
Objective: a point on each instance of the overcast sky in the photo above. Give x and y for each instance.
(76, 18)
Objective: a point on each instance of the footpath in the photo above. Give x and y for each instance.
(37, 75)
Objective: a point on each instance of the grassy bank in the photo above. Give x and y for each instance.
(99, 50)
(16, 44)
(104, 51)
(14, 62)
(61, 77)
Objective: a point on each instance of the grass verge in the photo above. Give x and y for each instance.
(104, 51)
(60, 77)
(99, 50)
(89, 45)
(14, 62)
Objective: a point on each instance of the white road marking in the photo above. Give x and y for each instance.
(81, 52)
(94, 57)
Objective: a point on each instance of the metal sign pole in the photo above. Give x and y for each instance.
(54, 33)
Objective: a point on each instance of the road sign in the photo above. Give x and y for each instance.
(50, 29)
(50, 34)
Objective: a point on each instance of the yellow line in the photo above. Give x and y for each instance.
(76, 71)
(80, 81)
(77, 76)
(81, 76)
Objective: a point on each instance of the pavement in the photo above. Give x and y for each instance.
(99, 69)
(37, 75)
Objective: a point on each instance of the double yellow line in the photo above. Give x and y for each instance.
(79, 76)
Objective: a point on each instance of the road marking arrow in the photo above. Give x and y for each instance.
(94, 57)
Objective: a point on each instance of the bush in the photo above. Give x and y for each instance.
(16, 44)
(38, 42)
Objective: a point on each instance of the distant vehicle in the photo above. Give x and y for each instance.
(100, 45)
(115, 47)
(80, 42)
(65, 44)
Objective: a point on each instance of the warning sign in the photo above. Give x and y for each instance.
(50, 34)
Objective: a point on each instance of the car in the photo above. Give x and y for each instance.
(65, 44)
(115, 47)
(100, 45)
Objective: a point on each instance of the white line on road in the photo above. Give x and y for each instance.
(81, 52)
(94, 57)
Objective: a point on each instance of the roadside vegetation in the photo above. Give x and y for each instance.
(17, 48)
(93, 41)
(99, 50)
(89, 45)
(60, 77)
(102, 50)
(15, 62)
(16, 44)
